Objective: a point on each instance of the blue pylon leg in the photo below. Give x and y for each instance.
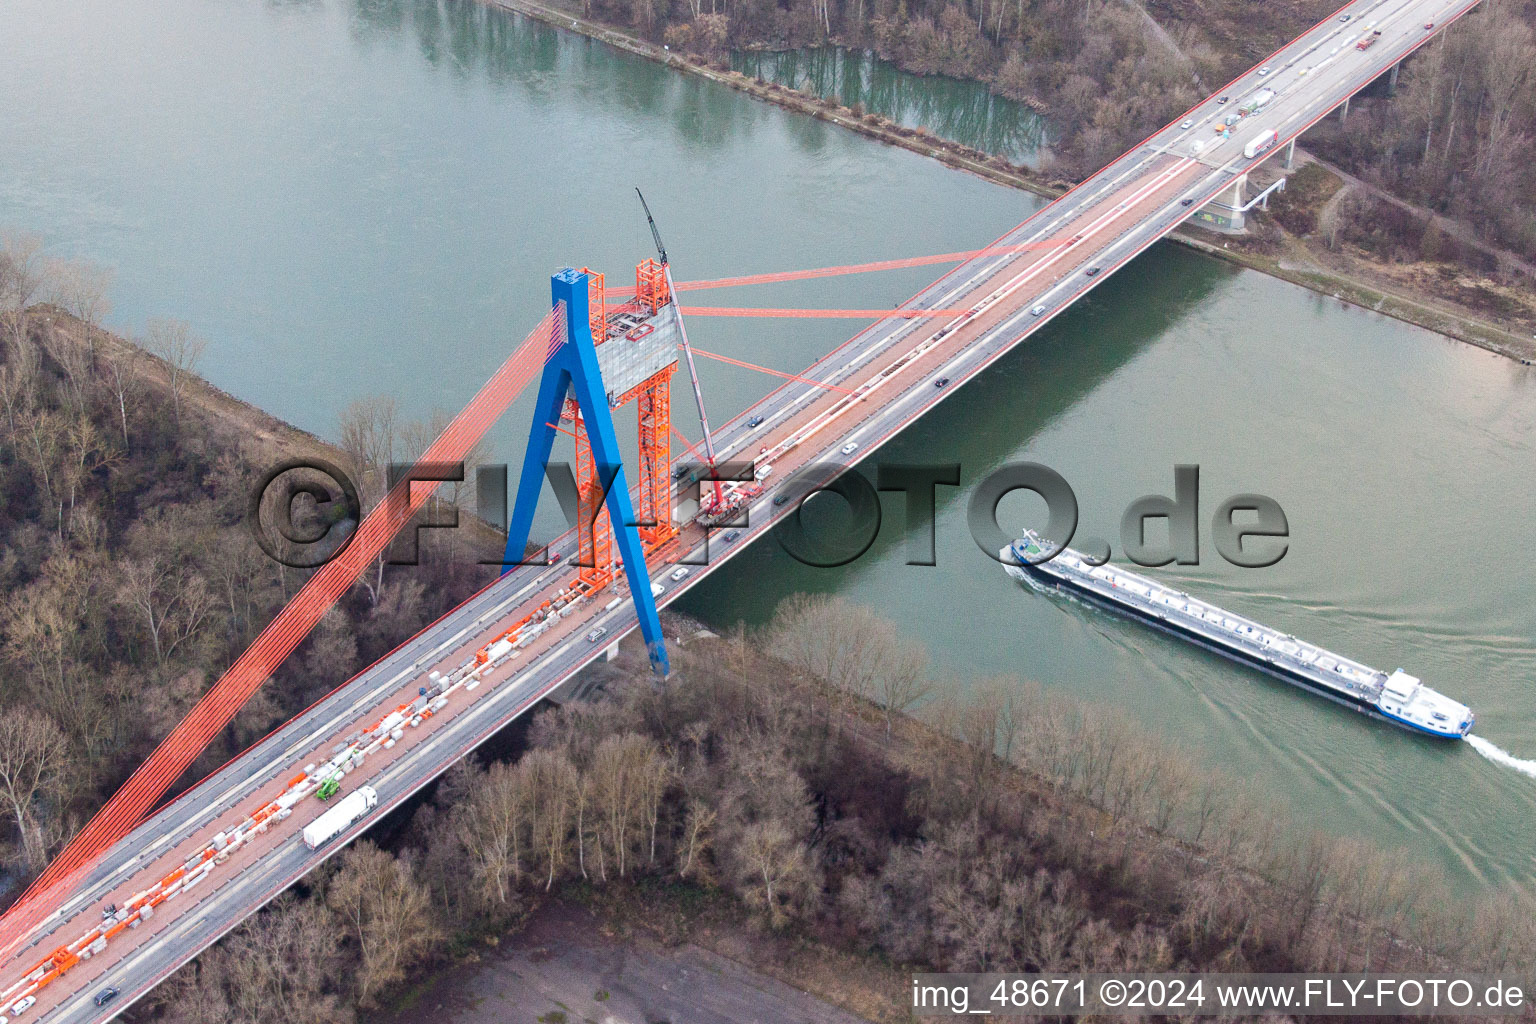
(573, 367)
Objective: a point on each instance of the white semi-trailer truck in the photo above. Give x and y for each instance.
(1260, 143)
(339, 818)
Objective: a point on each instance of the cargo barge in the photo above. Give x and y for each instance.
(1398, 698)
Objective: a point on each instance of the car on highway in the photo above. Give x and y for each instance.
(680, 573)
(21, 1006)
(780, 499)
(1186, 202)
(1345, 17)
(1266, 69)
(1092, 271)
(1037, 310)
(106, 995)
(1224, 99)
(1188, 123)
(592, 638)
(850, 447)
(731, 536)
(942, 382)
(755, 421)
(1429, 26)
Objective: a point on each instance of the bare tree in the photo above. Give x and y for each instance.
(47, 628)
(19, 381)
(171, 599)
(41, 445)
(283, 966)
(552, 782)
(491, 825)
(123, 382)
(697, 828)
(775, 873)
(624, 773)
(85, 451)
(901, 685)
(83, 289)
(1508, 75)
(388, 913)
(371, 437)
(72, 354)
(848, 647)
(23, 276)
(33, 757)
(180, 350)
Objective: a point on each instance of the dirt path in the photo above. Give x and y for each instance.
(1453, 228)
(566, 967)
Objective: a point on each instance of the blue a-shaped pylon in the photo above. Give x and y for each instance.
(573, 367)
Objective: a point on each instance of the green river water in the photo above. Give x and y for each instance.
(350, 197)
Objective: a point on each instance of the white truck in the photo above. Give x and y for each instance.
(1260, 142)
(339, 818)
(1257, 102)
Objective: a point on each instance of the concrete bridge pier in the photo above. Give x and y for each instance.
(1392, 79)
(1290, 155)
(1225, 212)
(1344, 110)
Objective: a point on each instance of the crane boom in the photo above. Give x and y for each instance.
(682, 331)
(661, 250)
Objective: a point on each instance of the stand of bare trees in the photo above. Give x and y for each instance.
(128, 572)
(1458, 136)
(1007, 830)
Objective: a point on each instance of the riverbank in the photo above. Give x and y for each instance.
(1425, 303)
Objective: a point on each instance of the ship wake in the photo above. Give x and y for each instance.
(1499, 755)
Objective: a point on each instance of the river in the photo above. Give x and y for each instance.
(350, 197)
(961, 111)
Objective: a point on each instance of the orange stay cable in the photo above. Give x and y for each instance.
(240, 681)
(764, 369)
(821, 314)
(693, 449)
(856, 268)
